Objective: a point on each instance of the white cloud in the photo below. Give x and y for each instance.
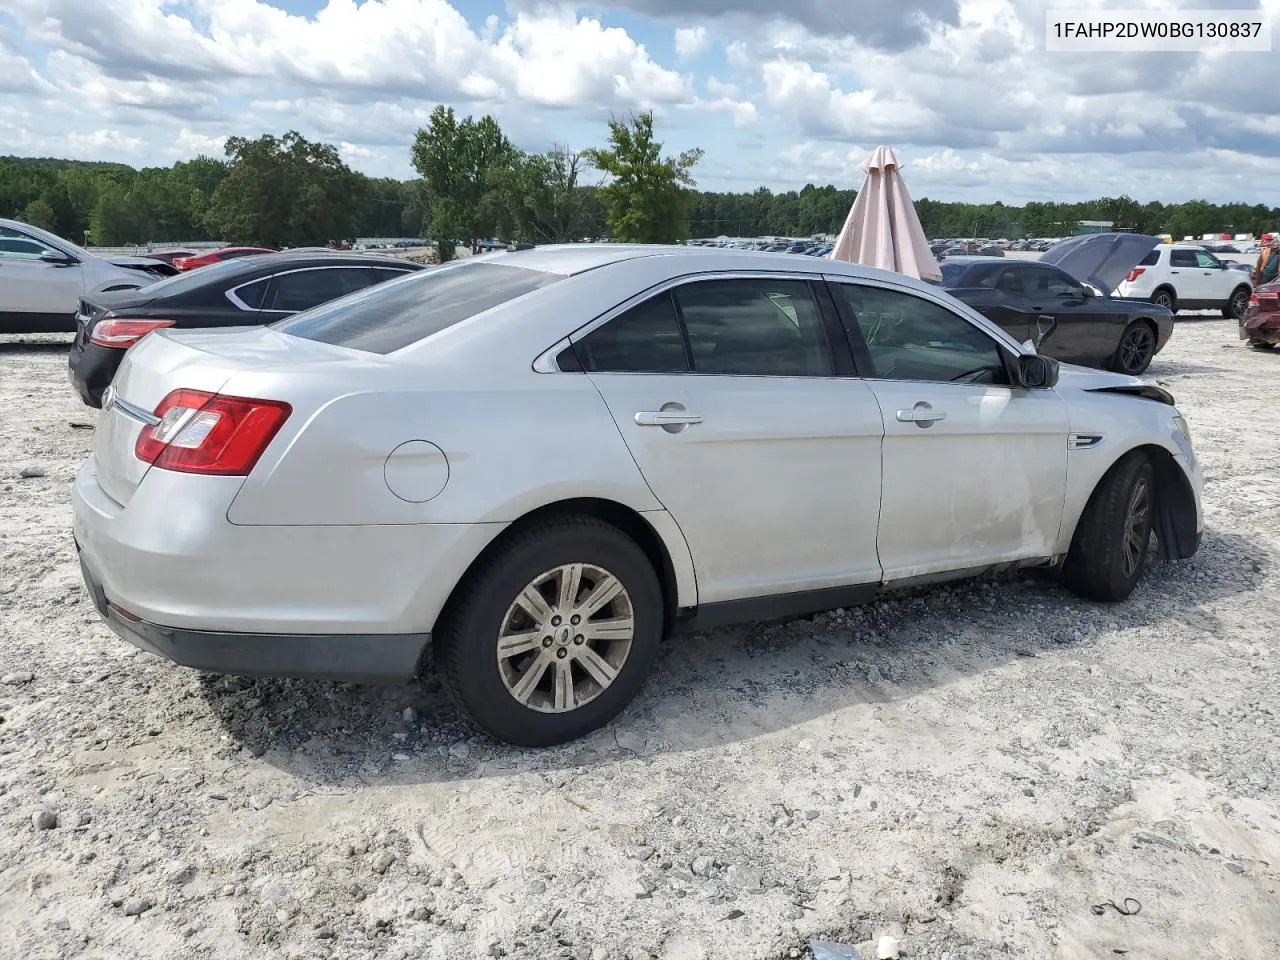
(970, 99)
(690, 42)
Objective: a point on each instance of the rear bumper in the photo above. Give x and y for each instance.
(91, 369)
(1260, 325)
(171, 559)
(359, 658)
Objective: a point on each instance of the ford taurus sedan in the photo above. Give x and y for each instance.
(532, 467)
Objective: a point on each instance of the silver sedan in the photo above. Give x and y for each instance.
(531, 468)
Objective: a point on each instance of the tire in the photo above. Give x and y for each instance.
(1108, 552)
(1237, 304)
(1260, 345)
(1164, 297)
(1136, 349)
(539, 712)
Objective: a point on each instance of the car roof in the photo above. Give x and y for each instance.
(312, 258)
(570, 259)
(969, 259)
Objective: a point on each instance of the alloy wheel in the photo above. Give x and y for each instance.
(1164, 299)
(1239, 304)
(1136, 531)
(1136, 349)
(565, 637)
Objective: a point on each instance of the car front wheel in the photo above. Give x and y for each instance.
(553, 633)
(1136, 349)
(1237, 305)
(1109, 550)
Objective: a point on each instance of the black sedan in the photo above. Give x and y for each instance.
(235, 293)
(1071, 320)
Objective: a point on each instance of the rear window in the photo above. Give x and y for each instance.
(391, 316)
(952, 272)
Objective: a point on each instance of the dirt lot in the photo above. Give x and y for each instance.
(969, 770)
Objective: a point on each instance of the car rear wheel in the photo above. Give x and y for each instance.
(1164, 297)
(1109, 550)
(553, 634)
(1259, 344)
(1238, 304)
(1137, 347)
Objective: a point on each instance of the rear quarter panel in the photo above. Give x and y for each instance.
(512, 444)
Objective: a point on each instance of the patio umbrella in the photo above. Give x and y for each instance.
(882, 229)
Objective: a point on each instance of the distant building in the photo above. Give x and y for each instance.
(1093, 226)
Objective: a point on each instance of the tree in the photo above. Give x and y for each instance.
(285, 191)
(542, 202)
(648, 197)
(39, 214)
(464, 166)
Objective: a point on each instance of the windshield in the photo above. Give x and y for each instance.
(394, 315)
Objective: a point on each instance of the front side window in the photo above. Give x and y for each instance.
(19, 246)
(754, 327)
(909, 338)
(388, 317)
(1050, 283)
(1207, 260)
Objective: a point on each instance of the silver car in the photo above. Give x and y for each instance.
(43, 277)
(533, 466)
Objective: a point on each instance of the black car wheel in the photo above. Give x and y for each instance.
(553, 633)
(1238, 304)
(1164, 298)
(1137, 347)
(1259, 344)
(1109, 550)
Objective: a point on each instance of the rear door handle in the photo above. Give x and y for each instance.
(666, 418)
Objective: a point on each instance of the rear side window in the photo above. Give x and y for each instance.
(389, 317)
(1182, 258)
(304, 289)
(1151, 259)
(251, 294)
(644, 339)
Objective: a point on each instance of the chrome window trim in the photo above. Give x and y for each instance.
(240, 304)
(545, 362)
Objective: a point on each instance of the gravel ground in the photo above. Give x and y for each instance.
(968, 769)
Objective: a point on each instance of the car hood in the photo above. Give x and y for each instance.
(147, 263)
(1102, 259)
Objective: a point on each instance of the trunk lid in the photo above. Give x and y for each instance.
(165, 361)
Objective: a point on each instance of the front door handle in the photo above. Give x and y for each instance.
(922, 415)
(666, 418)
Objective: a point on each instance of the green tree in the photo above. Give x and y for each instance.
(649, 197)
(542, 201)
(39, 214)
(285, 191)
(465, 166)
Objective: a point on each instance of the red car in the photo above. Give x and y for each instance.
(1261, 322)
(217, 256)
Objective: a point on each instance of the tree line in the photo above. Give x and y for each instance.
(474, 184)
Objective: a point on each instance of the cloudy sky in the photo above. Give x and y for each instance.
(776, 93)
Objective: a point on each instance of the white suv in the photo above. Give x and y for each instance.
(1182, 276)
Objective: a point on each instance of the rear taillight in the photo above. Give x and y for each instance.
(123, 334)
(1266, 300)
(202, 432)
(1134, 274)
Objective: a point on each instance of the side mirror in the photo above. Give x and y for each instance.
(1045, 325)
(1037, 372)
(55, 257)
